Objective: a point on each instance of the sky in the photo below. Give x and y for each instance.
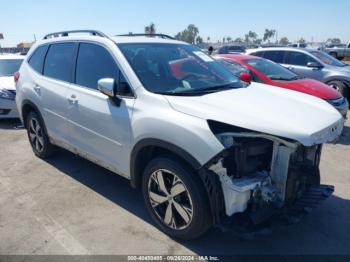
(312, 20)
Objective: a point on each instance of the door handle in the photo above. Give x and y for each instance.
(37, 88)
(72, 99)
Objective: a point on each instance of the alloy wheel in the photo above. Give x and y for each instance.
(35, 135)
(170, 199)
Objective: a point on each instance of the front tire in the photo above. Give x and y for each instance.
(37, 136)
(340, 87)
(176, 199)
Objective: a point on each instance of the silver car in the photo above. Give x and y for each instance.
(204, 148)
(310, 63)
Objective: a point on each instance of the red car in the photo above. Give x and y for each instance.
(257, 69)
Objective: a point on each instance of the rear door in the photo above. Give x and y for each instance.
(97, 126)
(53, 87)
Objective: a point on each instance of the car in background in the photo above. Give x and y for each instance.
(268, 72)
(339, 51)
(310, 63)
(231, 49)
(9, 65)
(298, 45)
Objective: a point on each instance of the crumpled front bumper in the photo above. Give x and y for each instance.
(254, 224)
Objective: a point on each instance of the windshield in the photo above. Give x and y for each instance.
(8, 67)
(234, 67)
(177, 69)
(327, 59)
(272, 70)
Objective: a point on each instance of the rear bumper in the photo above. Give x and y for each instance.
(8, 109)
(253, 224)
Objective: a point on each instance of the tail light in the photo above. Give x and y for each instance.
(16, 76)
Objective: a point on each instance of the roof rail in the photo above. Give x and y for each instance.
(151, 35)
(66, 33)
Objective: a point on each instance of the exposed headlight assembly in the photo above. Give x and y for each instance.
(6, 94)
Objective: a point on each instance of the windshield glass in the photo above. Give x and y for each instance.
(234, 67)
(8, 67)
(272, 70)
(327, 59)
(177, 69)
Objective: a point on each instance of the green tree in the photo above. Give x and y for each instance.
(150, 29)
(188, 35)
(302, 40)
(229, 39)
(251, 37)
(199, 40)
(284, 41)
(269, 33)
(238, 40)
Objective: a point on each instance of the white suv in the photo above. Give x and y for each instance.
(205, 148)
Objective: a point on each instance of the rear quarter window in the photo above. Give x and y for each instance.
(59, 61)
(36, 61)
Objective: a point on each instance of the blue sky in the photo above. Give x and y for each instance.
(317, 20)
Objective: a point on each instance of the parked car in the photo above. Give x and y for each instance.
(311, 63)
(203, 147)
(298, 45)
(231, 49)
(339, 51)
(270, 73)
(9, 65)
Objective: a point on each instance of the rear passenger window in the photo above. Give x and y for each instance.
(275, 56)
(59, 61)
(36, 61)
(94, 62)
(297, 58)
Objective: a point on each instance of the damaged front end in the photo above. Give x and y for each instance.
(261, 178)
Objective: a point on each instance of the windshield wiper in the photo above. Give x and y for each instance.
(200, 91)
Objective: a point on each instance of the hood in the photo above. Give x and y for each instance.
(311, 87)
(267, 109)
(7, 82)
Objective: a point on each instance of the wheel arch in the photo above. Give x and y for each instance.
(27, 107)
(148, 148)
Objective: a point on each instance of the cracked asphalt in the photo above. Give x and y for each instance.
(67, 205)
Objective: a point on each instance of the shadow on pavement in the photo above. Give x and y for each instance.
(324, 231)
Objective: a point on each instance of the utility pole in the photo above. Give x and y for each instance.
(34, 37)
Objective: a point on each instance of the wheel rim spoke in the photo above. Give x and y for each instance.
(160, 180)
(177, 189)
(32, 137)
(168, 218)
(157, 199)
(184, 212)
(37, 146)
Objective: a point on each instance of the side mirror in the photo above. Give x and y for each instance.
(245, 77)
(107, 86)
(314, 65)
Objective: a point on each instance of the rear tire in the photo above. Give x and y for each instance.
(38, 137)
(176, 199)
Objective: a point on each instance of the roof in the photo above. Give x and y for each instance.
(116, 39)
(280, 49)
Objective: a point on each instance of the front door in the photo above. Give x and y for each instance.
(97, 126)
